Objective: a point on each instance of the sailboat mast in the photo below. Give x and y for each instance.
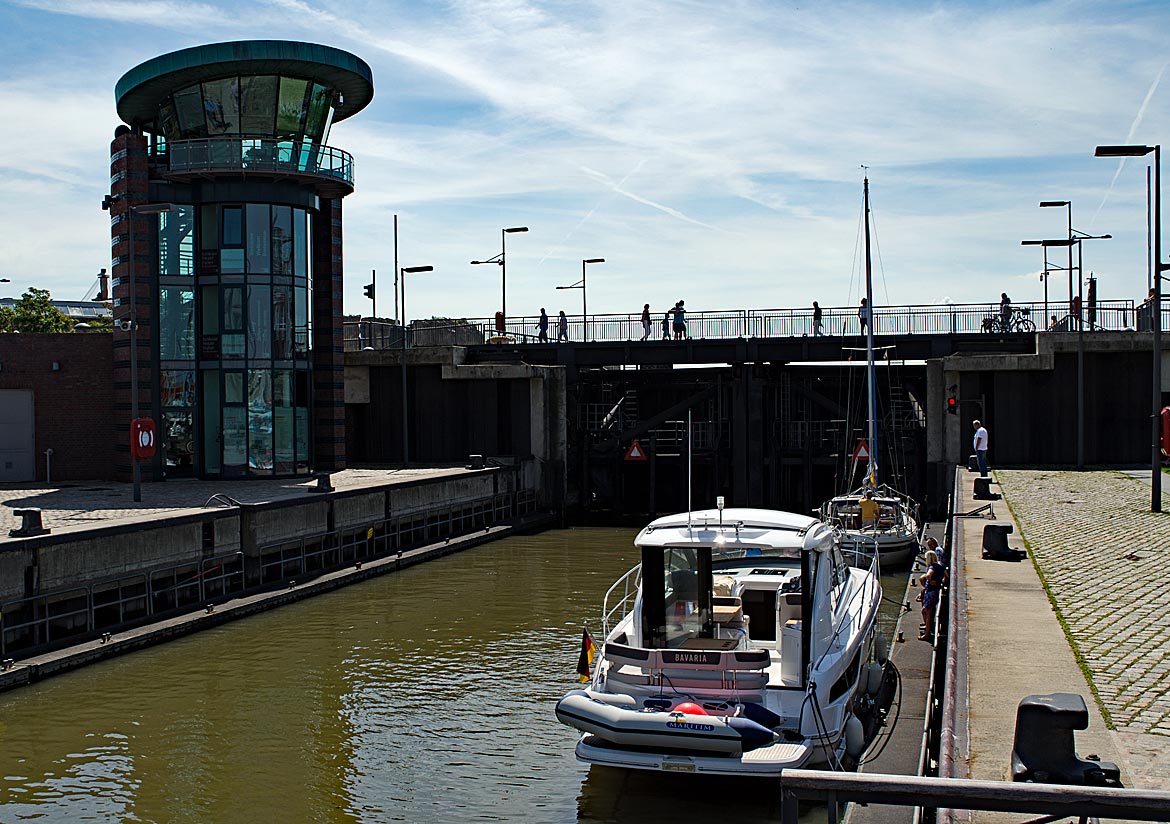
(871, 370)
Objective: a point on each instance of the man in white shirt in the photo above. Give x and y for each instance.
(981, 447)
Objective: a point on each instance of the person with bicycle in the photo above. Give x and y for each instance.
(1005, 311)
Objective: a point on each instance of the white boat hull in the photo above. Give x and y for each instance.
(765, 762)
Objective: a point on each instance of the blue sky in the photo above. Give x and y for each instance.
(709, 152)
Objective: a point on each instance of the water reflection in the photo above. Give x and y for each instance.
(421, 696)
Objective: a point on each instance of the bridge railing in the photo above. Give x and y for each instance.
(945, 319)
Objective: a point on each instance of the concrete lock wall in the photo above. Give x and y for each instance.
(80, 557)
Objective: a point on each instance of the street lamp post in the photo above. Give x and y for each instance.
(404, 271)
(501, 260)
(131, 211)
(1156, 300)
(584, 306)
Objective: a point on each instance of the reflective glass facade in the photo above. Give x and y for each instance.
(269, 106)
(234, 339)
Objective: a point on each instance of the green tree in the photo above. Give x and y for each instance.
(34, 312)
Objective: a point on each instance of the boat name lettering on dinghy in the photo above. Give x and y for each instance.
(686, 725)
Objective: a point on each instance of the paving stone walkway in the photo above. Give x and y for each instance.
(1105, 559)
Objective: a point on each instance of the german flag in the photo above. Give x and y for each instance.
(585, 662)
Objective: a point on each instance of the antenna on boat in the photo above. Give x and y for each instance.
(689, 470)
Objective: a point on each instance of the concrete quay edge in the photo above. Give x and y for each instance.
(36, 668)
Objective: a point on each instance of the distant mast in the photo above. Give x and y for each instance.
(871, 370)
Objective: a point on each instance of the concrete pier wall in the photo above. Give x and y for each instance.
(77, 581)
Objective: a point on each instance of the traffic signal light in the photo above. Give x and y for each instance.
(952, 404)
(369, 290)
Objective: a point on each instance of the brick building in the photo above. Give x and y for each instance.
(56, 392)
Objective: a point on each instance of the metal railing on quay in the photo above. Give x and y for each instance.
(945, 319)
(1055, 801)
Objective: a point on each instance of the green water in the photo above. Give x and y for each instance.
(421, 696)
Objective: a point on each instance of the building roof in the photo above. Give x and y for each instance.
(140, 91)
(76, 309)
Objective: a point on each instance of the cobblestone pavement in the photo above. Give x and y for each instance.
(90, 503)
(1105, 558)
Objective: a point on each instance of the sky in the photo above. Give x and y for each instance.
(710, 152)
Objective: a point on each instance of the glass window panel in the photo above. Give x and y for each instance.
(177, 387)
(176, 327)
(259, 322)
(282, 325)
(235, 440)
(233, 226)
(319, 100)
(210, 308)
(282, 240)
(231, 261)
(176, 242)
(260, 419)
(232, 346)
(304, 459)
(212, 431)
(221, 104)
(233, 308)
(259, 243)
(189, 108)
(208, 228)
(168, 119)
(300, 242)
(258, 105)
(291, 114)
(328, 123)
(233, 387)
(284, 439)
(301, 319)
(178, 441)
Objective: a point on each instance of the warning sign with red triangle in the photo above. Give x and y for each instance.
(861, 453)
(635, 452)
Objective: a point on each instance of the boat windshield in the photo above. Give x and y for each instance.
(676, 597)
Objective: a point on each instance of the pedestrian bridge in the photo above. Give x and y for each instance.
(912, 332)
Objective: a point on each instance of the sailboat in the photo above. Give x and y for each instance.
(893, 534)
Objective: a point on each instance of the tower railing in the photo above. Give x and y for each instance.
(256, 154)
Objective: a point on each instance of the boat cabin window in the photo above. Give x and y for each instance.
(676, 602)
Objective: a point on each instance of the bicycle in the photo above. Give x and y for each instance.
(1020, 320)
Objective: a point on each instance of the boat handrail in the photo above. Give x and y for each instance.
(630, 584)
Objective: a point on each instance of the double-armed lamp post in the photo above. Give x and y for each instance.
(1156, 307)
(584, 306)
(501, 260)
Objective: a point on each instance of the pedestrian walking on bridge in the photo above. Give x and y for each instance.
(863, 314)
(543, 326)
(818, 327)
(646, 321)
(562, 327)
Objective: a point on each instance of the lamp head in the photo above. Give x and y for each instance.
(1123, 151)
(515, 229)
(410, 270)
(1045, 203)
(594, 260)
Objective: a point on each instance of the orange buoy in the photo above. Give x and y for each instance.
(689, 708)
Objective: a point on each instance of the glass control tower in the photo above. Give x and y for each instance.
(225, 171)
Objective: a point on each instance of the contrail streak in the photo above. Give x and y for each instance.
(1129, 138)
